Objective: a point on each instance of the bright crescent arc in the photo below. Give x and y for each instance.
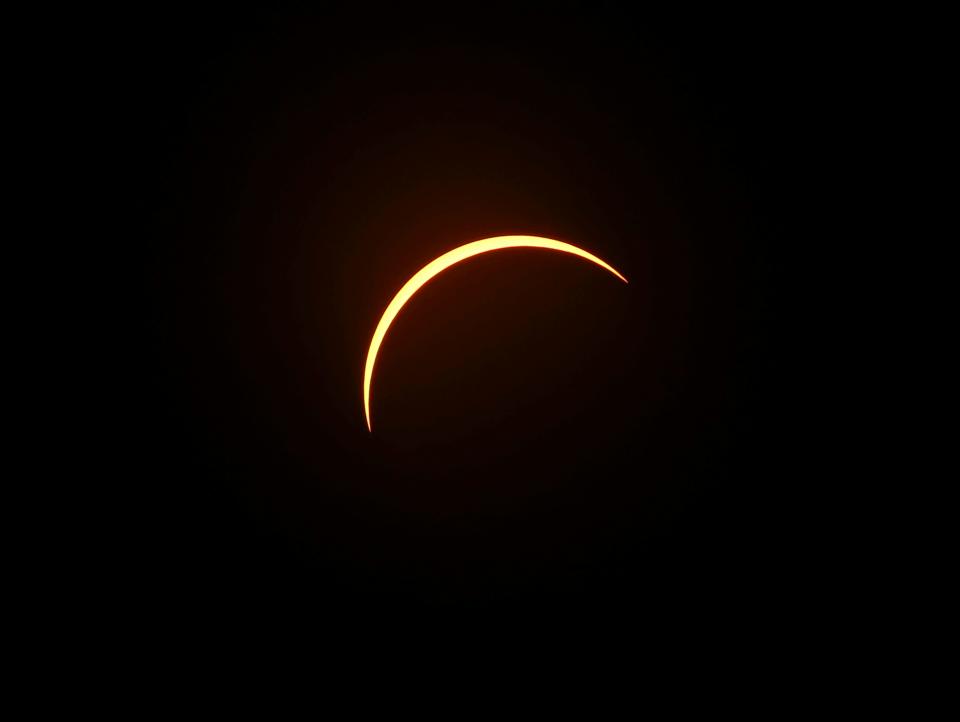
(444, 262)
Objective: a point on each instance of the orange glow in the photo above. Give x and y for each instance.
(442, 263)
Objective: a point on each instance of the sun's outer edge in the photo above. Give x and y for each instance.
(444, 262)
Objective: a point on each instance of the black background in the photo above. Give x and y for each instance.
(546, 439)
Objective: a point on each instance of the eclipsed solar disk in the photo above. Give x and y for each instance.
(444, 262)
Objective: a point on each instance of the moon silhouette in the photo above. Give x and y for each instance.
(441, 264)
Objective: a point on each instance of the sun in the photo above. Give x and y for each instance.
(444, 262)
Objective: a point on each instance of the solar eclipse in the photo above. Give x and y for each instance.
(440, 264)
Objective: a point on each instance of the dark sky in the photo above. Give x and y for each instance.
(546, 438)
